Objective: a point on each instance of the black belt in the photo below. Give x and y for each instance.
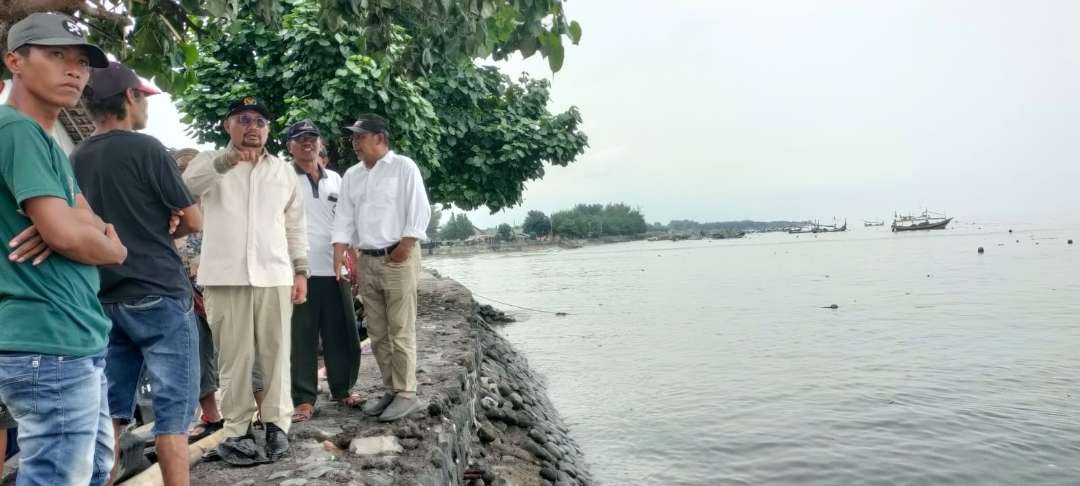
(382, 252)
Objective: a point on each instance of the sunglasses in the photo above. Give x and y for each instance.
(247, 121)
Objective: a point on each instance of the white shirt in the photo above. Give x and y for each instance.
(254, 232)
(320, 202)
(382, 205)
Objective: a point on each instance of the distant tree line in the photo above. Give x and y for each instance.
(595, 220)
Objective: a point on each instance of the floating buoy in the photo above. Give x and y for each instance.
(981, 250)
(1070, 242)
(1010, 231)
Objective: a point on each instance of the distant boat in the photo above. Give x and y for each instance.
(925, 221)
(816, 227)
(873, 223)
(727, 236)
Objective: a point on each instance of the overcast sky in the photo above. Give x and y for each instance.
(718, 110)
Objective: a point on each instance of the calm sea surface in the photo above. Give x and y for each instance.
(712, 362)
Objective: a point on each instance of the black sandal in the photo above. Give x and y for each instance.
(208, 428)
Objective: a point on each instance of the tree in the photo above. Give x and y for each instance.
(477, 135)
(536, 224)
(593, 220)
(504, 233)
(457, 228)
(433, 223)
(159, 37)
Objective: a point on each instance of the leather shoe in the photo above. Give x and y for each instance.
(240, 451)
(277, 442)
(376, 407)
(400, 407)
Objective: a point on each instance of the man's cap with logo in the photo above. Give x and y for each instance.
(113, 80)
(53, 29)
(368, 124)
(249, 103)
(302, 127)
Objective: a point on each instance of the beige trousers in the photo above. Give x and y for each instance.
(250, 323)
(389, 294)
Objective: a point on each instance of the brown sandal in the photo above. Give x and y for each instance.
(353, 400)
(303, 413)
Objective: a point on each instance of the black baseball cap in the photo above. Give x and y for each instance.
(302, 127)
(53, 29)
(113, 80)
(368, 124)
(248, 103)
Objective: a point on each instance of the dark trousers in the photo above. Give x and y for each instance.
(328, 313)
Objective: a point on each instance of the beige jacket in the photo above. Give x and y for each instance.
(254, 233)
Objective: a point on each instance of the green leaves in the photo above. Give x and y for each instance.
(575, 32)
(477, 135)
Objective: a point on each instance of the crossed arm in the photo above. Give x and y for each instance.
(76, 233)
(29, 244)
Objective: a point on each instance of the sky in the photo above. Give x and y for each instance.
(719, 110)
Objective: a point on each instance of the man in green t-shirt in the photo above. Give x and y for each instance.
(50, 318)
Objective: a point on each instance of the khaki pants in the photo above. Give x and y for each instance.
(249, 323)
(389, 294)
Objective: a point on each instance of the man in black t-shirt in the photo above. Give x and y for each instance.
(131, 182)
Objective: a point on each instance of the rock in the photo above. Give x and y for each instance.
(538, 436)
(437, 459)
(494, 414)
(380, 462)
(339, 476)
(246, 482)
(516, 400)
(549, 474)
(407, 431)
(537, 451)
(318, 472)
(489, 403)
(486, 434)
(505, 390)
(294, 482)
(553, 450)
(435, 408)
(367, 446)
(523, 420)
(279, 475)
(410, 443)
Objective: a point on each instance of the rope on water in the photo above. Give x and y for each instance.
(521, 307)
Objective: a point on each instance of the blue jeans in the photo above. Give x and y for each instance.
(60, 404)
(160, 332)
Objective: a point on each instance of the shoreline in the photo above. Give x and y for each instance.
(488, 419)
(526, 246)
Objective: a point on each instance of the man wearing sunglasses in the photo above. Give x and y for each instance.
(254, 268)
(328, 314)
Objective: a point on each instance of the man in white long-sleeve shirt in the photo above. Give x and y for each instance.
(253, 267)
(384, 202)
